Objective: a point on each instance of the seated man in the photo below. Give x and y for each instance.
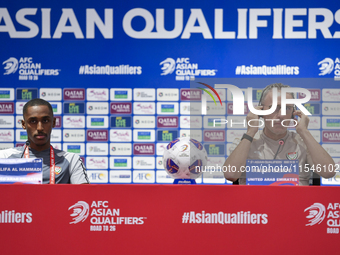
(276, 142)
(38, 122)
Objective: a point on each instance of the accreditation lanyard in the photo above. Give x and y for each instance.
(52, 163)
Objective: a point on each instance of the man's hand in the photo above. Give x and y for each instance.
(302, 125)
(251, 116)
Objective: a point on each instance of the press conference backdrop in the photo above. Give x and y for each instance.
(117, 73)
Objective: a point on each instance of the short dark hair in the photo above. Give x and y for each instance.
(37, 102)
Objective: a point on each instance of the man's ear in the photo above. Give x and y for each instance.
(54, 120)
(23, 124)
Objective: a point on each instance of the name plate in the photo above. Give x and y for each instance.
(272, 172)
(23, 170)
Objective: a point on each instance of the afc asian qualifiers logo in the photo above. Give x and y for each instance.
(327, 66)
(168, 66)
(11, 65)
(317, 213)
(80, 212)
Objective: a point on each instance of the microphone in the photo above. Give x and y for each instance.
(27, 144)
(281, 143)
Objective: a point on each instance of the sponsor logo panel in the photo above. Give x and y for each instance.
(313, 108)
(230, 95)
(7, 121)
(314, 123)
(73, 121)
(97, 163)
(120, 108)
(144, 95)
(144, 149)
(26, 94)
(120, 176)
(120, 122)
(193, 134)
(234, 134)
(78, 148)
(6, 108)
(120, 135)
(73, 135)
(74, 108)
(120, 162)
(123, 149)
(316, 135)
(330, 122)
(215, 149)
(120, 94)
(191, 95)
(167, 94)
(20, 135)
(19, 107)
(167, 108)
(144, 135)
(6, 94)
(167, 122)
(140, 176)
(315, 93)
(330, 136)
(216, 122)
(97, 135)
(163, 177)
(97, 149)
(332, 149)
(159, 163)
(161, 148)
(230, 108)
(56, 135)
(97, 108)
(4, 146)
(74, 94)
(330, 94)
(189, 108)
(144, 108)
(166, 135)
(221, 92)
(191, 122)
(143, 162)
(331, 108)
(98, 176)
(54, 94)
(97, 94)
(214, 135)
(144, 121)
(97, 121)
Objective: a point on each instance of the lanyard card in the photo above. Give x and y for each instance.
(272, 172)
(22, 170)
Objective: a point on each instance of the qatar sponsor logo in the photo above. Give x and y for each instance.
(191, 94)
(74, 94)
(97, 94)
(143, 149)
(6, 108)
(167, 122)
(330, 136)
(97, 135)
(214, 135)
(120, 108)
(316, 94)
